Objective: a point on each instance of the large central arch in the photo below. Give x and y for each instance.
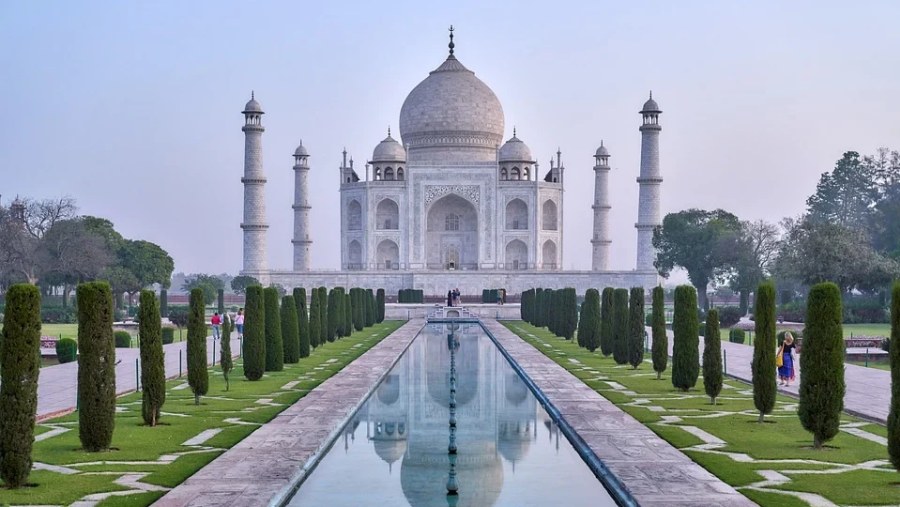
(451, 234)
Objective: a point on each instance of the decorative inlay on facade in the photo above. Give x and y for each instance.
(472, 193)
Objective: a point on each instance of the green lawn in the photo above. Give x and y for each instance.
(139, 449)
(858, 472)
(850, 330)
(60, 330)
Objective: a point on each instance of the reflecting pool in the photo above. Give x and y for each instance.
(394, 451)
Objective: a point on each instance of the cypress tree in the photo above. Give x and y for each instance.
(606, 322)
(591, 319)
(372, 313)
(164, 302)
(636, 327)
(359, 314)
(538, 308)
(523, 305)
(220, 297)
(348, 314)
(547, 309)
(379, 304)
(254, 333)
(660, 348)
(315, 321)
(289, 339)
(323, 315)
(225, 360)
(339, 299)
(579, 332)
(153, 369)
(302, 321)
(712, 356)
(686, 331)
(570, 313)
(96, 366)
(893, 420)
(763, 366)
(19, 369)
(822, 383)
(620, 326)
(198, 376)
(331, 329)
(274, 343)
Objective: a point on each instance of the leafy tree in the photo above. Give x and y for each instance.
(620, 326)
(845, 196)
(763, 365)
(822, 362)
(22, 227)
(315, 319)
(274, 344)
(701, 242)
(636, 327)
(302, 321)
(96, 366)
(660, 347)
(148, 261)
(198, 376)
(20, 365)
(153, 368)
(289, 329)
(209, 284)
(606, 322)
(69, 254)
(712, 356)
(121, 280)
(591, 320)
(755, 250)
(240, 283)
(225, 360)
(254, 333)
(220, 301)
(685, 331)
(893, 420)
(163, 302)
(379, 304)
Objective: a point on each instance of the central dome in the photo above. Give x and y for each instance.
(452, 108)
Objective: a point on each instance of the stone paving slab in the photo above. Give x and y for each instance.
(654, 471)
(266, 464)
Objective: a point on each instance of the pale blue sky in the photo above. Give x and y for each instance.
(133, 108)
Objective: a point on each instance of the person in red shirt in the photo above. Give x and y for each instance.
(216, 322)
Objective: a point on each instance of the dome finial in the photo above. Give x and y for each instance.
(514, 131)
(252, 95)
(651, 94)
(389, 131)
(451, 45)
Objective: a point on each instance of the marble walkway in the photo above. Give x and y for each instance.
(261, 469)
(57, 384)
(654, 471)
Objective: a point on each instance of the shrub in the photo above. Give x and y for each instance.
(822, 362)
(893, 420)
(302, 321)
(289, 328)
(547, 308)
(331, 331)
(744, 303)
(220, 301)
(685, 331)
(736, 335)
(96, 380)
(763, 365)
(620, 326)
(348, 314)
(198, 376)
(591, 317)
(701, 329)
(274, 345)
(636, 327)
(606, 321)
(164, 303)
(864, 310)
(225, 360)
(379, 305)
(712, 357)
(371, 311)
(526, 309)
(66, 350)
(58, 314)
(254, 333)
(537, 310)
(729, 315)
(660, 348)
(123, 339)
(153, 369)
(315, 319)
(794, 311)
(168, 335)
(886, 344)
(359, 311)
(19, 369)
(323, 315)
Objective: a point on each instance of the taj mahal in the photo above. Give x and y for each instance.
(449, 203)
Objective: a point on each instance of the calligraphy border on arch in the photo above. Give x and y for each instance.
(471, 193)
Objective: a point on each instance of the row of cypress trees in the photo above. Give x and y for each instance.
(556, 310)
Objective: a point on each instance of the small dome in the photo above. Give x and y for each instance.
(253, 106)
(515, 150)
(301, 151)
(602, 151)
(650, 106)
(389, 150)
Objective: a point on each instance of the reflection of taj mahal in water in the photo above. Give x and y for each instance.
(449, 203)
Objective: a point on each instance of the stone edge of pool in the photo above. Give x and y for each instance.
(264, 468)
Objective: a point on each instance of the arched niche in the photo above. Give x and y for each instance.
(517, 215)
(451, 237)
(548, 216)
(516, 254)
(354, 255)
(354, 216)
(387, 215)
(549, 254)
(388, 255)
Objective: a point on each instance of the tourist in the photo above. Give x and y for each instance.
(239, 323)
(449, 298)
(216, 322)
(786, 351)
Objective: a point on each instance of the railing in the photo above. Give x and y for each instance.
(549, 265)
(452, 267)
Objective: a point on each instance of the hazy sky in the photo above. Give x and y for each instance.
(133, 108)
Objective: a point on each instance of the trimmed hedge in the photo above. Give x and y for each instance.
(123, 339)
(302, 321)
(685, 331)
(315, 319)
(606, 321)
(620, 326)
(254, 353)
(712, 357)
(410, 296)
(274, 345)
(96, 374)
(763, 366)
(153, 369)
(198, 376)
(168, 335)
(660, 347)
(379, 306)
(225, 360)
(893, 420)
(736, 335)
(636, 327)
(289, 328)
(66, 350)
(729, 315)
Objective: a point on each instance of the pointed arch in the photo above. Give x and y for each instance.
(516, 254)
(354, 255)
(387, 215)
(549, 215)
(354, 216)
(387, 255)
(517, 215)
(549, 255)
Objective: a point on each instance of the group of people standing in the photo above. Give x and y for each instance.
(238, 320)
(453, 297)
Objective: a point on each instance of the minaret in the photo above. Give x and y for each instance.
(601, 241)
(301, 207)
(649, 181)
(254, 180)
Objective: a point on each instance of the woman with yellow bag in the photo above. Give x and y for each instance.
(784, 359)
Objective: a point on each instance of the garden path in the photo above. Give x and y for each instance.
(57, 384)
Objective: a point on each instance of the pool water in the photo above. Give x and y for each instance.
(394, 450)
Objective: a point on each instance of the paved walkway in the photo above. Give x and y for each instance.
(868, 393)
(262, 468)
(654, 471)
(57, 384)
